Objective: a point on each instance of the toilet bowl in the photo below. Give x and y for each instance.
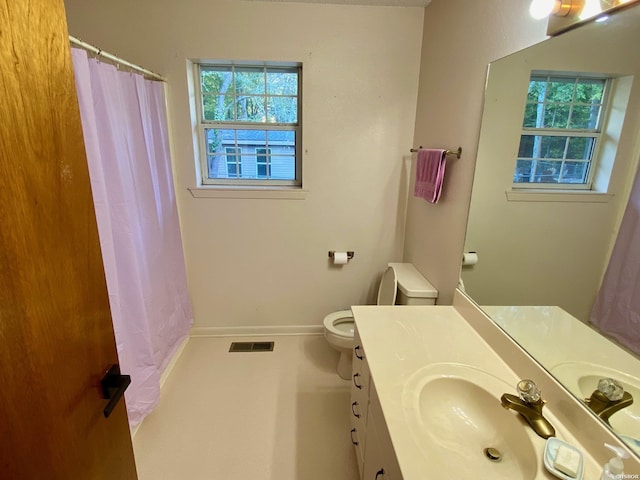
(400, 281)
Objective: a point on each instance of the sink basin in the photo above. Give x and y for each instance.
(454, 411)
(581, 378)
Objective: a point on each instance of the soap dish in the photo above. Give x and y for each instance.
(550, 451)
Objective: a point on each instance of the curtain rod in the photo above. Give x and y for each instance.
(117, 60)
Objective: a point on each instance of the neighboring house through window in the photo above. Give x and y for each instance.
(561, 131)
(249, 124)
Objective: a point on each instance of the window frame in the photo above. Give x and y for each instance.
(596, 134)
(203, 125)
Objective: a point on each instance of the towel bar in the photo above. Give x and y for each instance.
(457, 152)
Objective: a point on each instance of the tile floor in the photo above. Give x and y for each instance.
(282, 415)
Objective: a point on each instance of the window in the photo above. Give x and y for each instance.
(249, 124)
(234, 165)
(263, 163)
(561, 131)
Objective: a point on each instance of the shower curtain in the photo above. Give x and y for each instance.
(124, 124)
(616, 311)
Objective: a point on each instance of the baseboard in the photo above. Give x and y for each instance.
(165, 375)
(173, 361)
(257, 331)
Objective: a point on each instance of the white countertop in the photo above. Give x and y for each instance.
(399, 340)
(540, 329)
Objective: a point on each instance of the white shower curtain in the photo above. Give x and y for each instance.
(125, 130)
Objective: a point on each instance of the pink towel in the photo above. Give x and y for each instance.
(430, 174)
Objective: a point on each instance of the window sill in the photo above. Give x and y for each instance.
(558, 196)
(275, 193)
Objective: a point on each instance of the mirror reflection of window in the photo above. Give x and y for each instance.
(561, 128)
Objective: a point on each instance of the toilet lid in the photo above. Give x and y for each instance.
(388, 288)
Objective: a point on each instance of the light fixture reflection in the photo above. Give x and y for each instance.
(540, 9)
(591, 9)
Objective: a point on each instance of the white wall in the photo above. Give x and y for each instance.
(257, 262)
(460, 38)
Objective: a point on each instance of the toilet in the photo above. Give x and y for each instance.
(401, 284)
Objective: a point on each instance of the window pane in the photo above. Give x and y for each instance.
(282, 137)
(552, 147)
(250, 80)
(581, 148)
(585, 116)
(590, 90)
(560, 89)
(575, 172)
(537, 89)
(250, 109)
(556, 115)
(547, 172)
(216, 80)
(523, 171)
(252, 138)
(218, 107)
(218, 140)
(541, 146)
(283, 167)
(217, 165)
(248, 163)
(282, 83)
(527, 143)
(533, 115)
(282, 109)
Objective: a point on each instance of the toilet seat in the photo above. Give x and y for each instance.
(339, 328)
(340, 323)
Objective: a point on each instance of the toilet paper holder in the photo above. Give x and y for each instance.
(350, 254)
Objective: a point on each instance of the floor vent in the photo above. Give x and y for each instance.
(251, 347)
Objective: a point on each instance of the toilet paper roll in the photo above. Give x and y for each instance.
(340, 258)
(469, 258)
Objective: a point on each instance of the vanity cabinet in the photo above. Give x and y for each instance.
(360, 379)
(369, 434)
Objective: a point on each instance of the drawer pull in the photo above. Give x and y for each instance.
(355, 442)
(356, 350)
(356, 375)
(353, 409)
(379, 473)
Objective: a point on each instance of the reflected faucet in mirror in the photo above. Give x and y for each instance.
(608, 399)
(529, 406)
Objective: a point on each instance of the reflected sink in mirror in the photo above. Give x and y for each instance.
(454, 411)
(581, 378)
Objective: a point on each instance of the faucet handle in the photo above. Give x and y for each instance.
(611, 389)
(529, 391)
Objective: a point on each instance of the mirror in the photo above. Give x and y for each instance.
(542, 255)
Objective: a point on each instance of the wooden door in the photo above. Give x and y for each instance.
(56, 334)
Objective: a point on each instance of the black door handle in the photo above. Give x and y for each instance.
(113, 386)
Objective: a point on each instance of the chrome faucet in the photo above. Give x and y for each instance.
(608, 398)
(529, 406)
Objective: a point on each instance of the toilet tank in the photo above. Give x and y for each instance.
(413, 288)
